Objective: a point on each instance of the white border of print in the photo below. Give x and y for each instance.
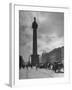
(14, 45)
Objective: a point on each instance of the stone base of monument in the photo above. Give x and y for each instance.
(34, 60)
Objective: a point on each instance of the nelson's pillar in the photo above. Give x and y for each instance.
(34, 56)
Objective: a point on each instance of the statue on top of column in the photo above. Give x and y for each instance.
(34, 24)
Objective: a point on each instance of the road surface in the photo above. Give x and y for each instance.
(39, 73)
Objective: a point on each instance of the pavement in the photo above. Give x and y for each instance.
(31, 73)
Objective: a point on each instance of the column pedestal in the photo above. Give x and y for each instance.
(34, 60)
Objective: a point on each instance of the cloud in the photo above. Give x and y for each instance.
(49, 42)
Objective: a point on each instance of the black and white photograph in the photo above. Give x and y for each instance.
(41, 44)
(36, 47)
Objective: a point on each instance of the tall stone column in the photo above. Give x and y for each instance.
(34, 56)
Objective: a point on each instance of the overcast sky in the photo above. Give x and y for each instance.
(50, 32)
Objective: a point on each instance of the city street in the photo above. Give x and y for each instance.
(38, 73)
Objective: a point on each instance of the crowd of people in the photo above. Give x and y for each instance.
(56, 66)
